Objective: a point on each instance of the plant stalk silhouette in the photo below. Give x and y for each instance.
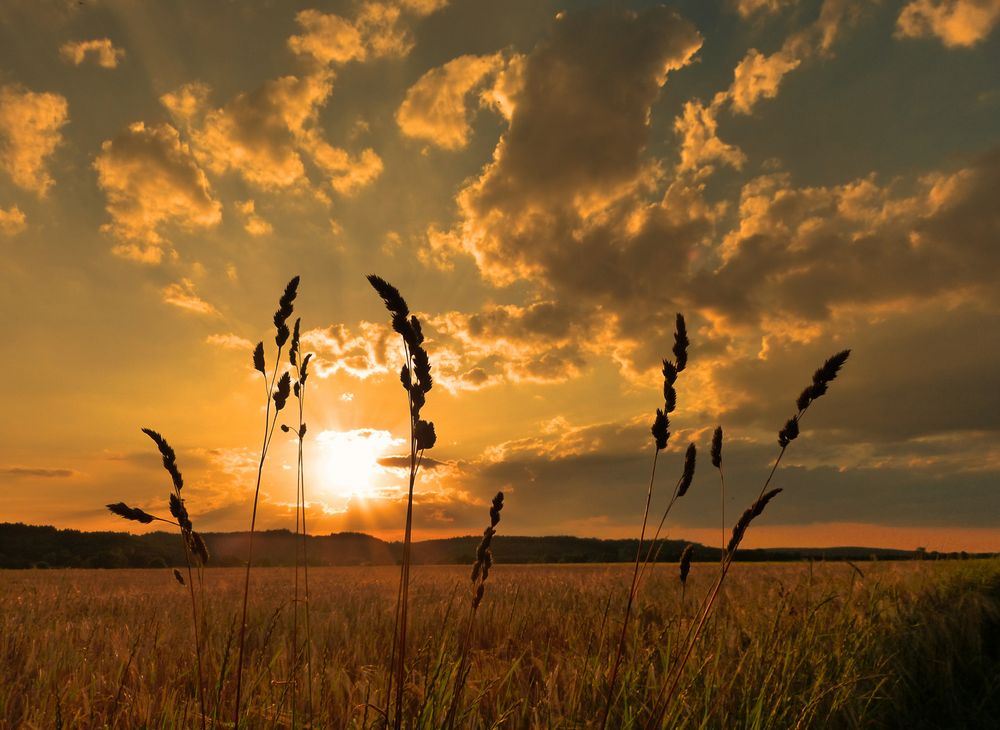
(415, 377)
(280, 396)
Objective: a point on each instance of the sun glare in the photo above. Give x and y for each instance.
(349, 460)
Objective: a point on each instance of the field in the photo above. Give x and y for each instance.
(790, 645)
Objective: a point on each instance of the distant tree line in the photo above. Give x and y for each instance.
(31, 546)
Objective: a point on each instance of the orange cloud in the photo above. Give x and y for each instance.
(435, 108)
(12, 221)
(102, 49)
(183, 295)
(957, 23)
(253, 223)
(30, 126)
(150, 179)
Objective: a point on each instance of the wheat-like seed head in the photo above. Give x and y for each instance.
(717, 448)
(285, 311)
(169, 457)
(130, 513)
(688, 474)
(685, 562)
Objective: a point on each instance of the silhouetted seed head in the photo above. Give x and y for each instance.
(680, 344)
(789, 433)
(487, 564)
(479, 595)
(669, 398)
(747, 517)
(669, 373)
(285, 311)
(131, 513)
(294, 349)
(180, 513)
(417, 400)
(394, 302)
(423, 431)
(661, 430)
(169, 457)
(495, 509)
(302, 431)
(418, 334)
(199, 548)
(284, 428)
(404, 377)
(258, 358)
(282, 391)
(685, 563)
(717, 448)
(476, 567)
(401, 325)
(422, 369)
(304, 370)
(831, 367)
(178, 577)
(688, 475)
(296, 391)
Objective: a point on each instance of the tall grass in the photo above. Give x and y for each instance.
(279, 394)
(194, 547)
(416, 380)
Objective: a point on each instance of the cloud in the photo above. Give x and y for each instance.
(372, 350)
(748, 8)
(435, 107)
(36, 472)
(378, 30)
(269, 134)
(957, 23)
(12, 221)
(573, 149)
(187, 103)
(253, 223)
(183, 295)
(30, 126)
(700, 144)
(230, 341)
(150, 179)
(101, 49)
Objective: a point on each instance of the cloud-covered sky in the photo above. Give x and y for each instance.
(547, 184)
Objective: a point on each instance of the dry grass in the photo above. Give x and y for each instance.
(793, 645)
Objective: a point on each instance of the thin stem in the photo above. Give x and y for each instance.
(194, 617)
(694, 632)
(268, 434)
(631, 597)
(460, 677)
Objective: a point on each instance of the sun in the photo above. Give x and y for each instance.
(349, 460)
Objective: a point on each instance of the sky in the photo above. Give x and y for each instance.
(547, 184)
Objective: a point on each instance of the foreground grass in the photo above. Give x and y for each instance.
(791, 645)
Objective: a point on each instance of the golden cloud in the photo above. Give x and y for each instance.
(12, 221)
(435, 108)
(957, 23)
(30, 126)
(150, 179)
(102, 49)
(183, 295)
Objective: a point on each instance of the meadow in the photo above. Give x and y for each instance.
(831, 645)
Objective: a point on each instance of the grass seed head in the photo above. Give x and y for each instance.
(423, 432)
(687, 476)
(178, 577)
(754, 510)
(258, 358)
(282, 391)
(717, 448)
(169, 457)
(394, 301)
(680, 343)
(285, 311)
(789, 433)
(199, 548)
(685, 562)
(660, 430)
(130, 513)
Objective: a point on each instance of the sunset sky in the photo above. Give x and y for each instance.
(546, 184)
